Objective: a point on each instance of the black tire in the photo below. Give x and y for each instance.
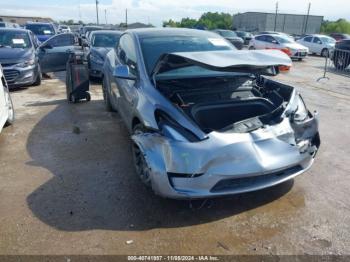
(11, 118)
(88, 97)
(37, 81)
(106, 97)
(141, 166)
(251, 48)
(73, 99)
(300, 59)
(325, 52)
(341, 61)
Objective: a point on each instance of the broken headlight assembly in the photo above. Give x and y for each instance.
(27, 63)
(300, 113)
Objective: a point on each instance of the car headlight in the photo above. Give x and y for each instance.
(27, 63)
(96, 59)
(300, 113)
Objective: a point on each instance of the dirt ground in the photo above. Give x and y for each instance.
(67, 185)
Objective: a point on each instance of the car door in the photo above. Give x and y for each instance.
(259, 42)
(317, 45)
(307, 41)
(125, 90)
(271, 43)
(54, 53)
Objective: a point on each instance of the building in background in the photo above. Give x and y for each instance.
(288, 23)
(21, 20)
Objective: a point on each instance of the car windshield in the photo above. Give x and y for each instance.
(14, 39)
(227, 33)
(154, 47)
(327, 40)
(41, 29)
(283, 39)
(243, 34)
(104, 40)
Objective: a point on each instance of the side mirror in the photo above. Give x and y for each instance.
(123, 72)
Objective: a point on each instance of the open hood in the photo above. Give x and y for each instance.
(262, 62)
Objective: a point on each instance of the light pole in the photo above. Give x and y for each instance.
(97, 11)
(106, 15)
(276, 17)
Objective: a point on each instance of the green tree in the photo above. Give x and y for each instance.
(207, 20)
(339, 26)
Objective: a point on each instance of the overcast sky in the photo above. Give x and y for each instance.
(156, 11)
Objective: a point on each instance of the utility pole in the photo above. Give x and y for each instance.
(307, 18)
(276, 17)
(126, 18)
(97, 11)
(106, 15)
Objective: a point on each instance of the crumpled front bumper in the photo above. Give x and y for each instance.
(229, 163)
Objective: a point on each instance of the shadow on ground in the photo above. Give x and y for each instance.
(93, 184)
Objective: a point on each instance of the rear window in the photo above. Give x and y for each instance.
(154, 47)
(104, 40)
(41, 29)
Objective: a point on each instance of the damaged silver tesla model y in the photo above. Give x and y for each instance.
(204, 118)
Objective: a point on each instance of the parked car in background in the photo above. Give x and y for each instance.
(19, 58)
(9, 25)
(7, 114)
(246, 36)
(64, 29)
(339, 37)
(85, 29)
(54, 53)
(204, 121)
(318, 44)
(341, 54)
(231, 37)
(283, 43)
(276, 33)
(43, 31)
(100, 44)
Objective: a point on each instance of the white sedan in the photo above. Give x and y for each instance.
(283, 43)
(318, 44)
(7, 115)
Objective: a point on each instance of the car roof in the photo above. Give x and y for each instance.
(38, 23)
(19, 30)
(116, 32)
(155, 32)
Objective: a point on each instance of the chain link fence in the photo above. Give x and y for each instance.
(337, 62)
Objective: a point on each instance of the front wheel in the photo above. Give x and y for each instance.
(37, 81)
(141, 166)
(106, 97)
(11, 111)
(251, 48)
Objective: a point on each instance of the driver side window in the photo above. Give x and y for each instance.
(127, 54)
(62, 40)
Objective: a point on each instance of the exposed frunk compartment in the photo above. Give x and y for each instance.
(214, 116)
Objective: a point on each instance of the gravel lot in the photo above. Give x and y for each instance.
(67, 185)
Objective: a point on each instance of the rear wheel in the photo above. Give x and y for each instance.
(11, 111)
(325, 52)
(141, 166)
(251, 48)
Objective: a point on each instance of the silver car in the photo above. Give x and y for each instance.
(318, 44)
(204, 120)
